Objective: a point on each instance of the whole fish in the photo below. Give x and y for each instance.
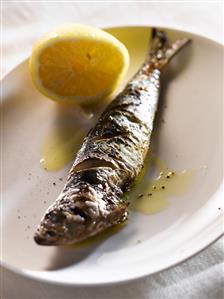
(111, 156)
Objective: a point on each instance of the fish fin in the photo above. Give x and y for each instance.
(161, 52)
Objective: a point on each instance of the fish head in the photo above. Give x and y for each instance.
(86, 207)
(69, 225)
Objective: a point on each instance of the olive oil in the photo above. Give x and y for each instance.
(151, 195)
(60, 148)
(65, 138)
(100, 237)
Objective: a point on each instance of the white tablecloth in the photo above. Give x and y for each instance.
(25, 21)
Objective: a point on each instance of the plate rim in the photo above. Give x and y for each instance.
(129, 26)
(36, 275)
(32, 274)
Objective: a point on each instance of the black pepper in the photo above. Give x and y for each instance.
(169, 174)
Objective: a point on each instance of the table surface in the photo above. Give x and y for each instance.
(24, 22)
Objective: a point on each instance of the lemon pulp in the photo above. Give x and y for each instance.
(78, 63)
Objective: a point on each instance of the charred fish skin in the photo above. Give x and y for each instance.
(110, 158)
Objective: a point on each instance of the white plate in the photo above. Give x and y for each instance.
(190, 139)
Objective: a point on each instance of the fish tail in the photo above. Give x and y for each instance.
(161, 52)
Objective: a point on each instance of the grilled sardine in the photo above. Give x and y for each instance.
(111, 156)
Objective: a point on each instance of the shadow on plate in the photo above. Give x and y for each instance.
(170, 72)
(66, 256)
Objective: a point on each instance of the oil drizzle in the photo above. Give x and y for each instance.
(100, 237)
(151, 195)
(66, 135)
(60, 148)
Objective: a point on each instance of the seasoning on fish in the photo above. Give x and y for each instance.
(111, 156)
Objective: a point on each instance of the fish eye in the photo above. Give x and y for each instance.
(50, 234)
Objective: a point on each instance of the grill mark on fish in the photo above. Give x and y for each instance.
(108, 135)
(92, 163)
(110, 158)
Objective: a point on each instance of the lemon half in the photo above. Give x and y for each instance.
(78, 64)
